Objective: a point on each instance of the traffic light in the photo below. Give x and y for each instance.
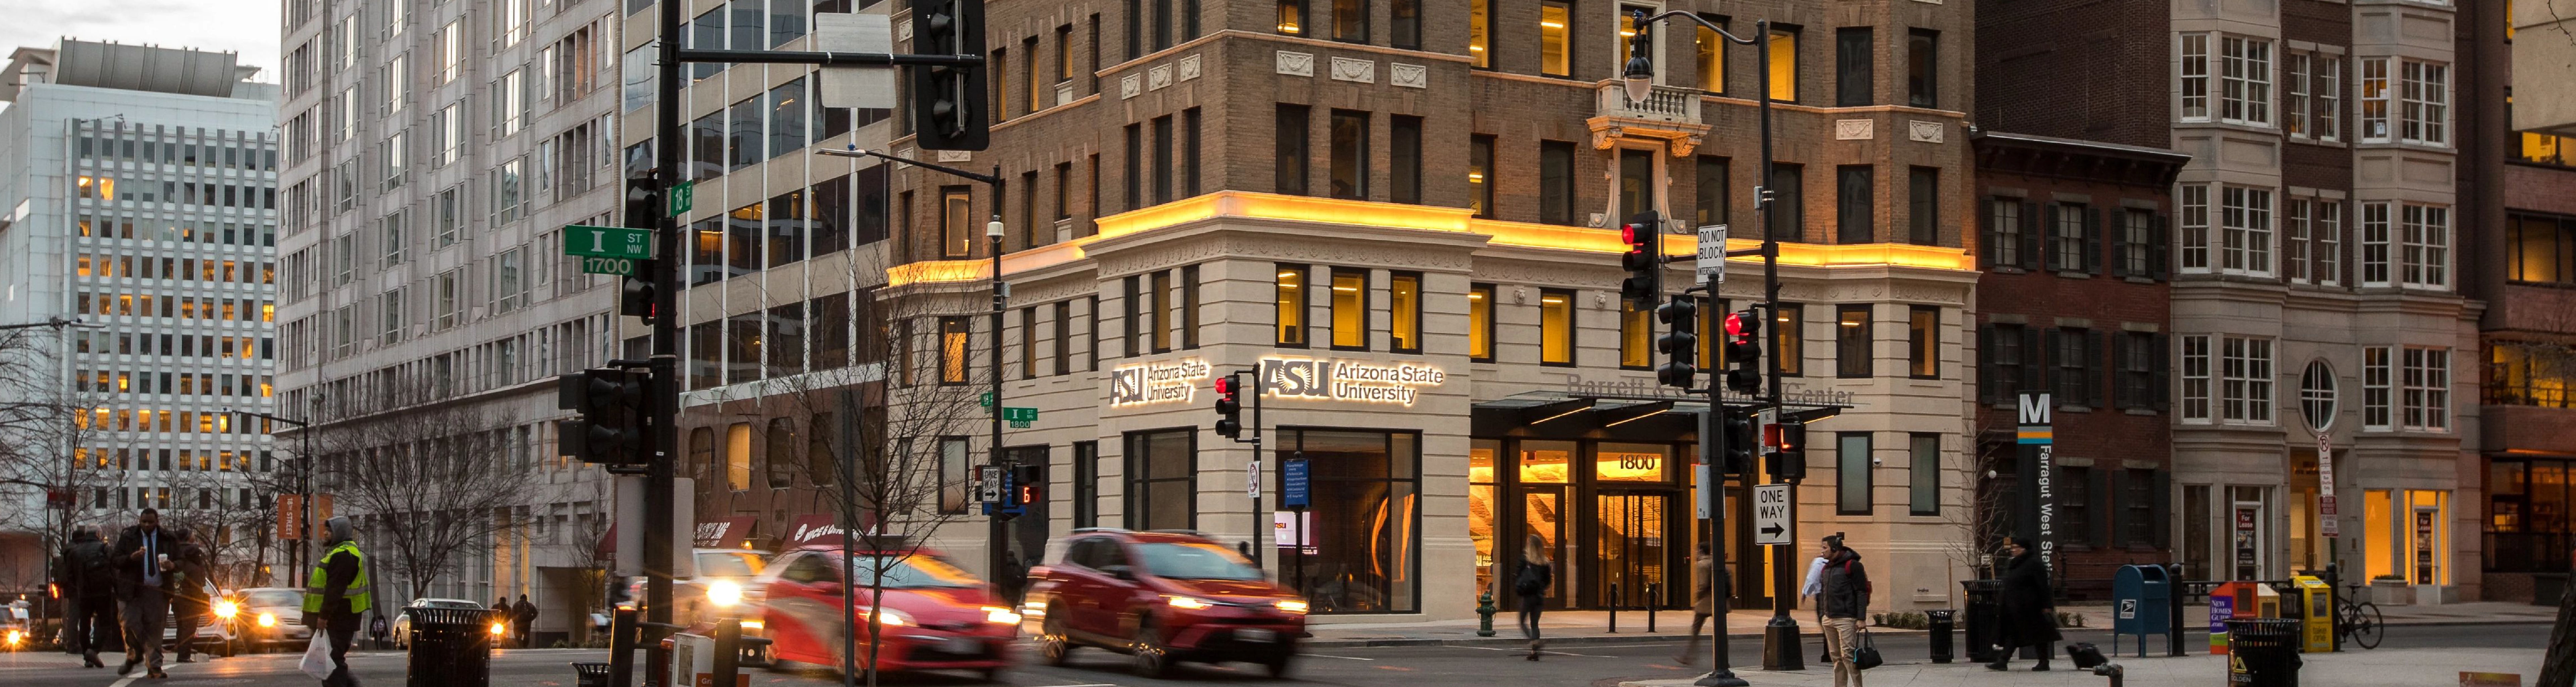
(1229, 407)
(1027, 485)
(609, 403)
(644, 210)
(1790, 462)
(1744, 351)
(1680, 342)
(1741, 444)
(635, 295)
(949, 107)
(1644, 260)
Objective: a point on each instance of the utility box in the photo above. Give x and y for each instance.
(2316, 616)
(2141, 604)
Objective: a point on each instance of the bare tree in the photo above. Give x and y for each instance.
(432, 482)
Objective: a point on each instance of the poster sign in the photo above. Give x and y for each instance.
(1294, 490)
(1293, 529)
(2326, 520)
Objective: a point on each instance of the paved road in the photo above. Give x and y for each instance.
(1422, 666)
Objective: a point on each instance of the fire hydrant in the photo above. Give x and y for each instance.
(1485, 614)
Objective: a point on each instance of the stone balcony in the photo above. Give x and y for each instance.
(1669, 113)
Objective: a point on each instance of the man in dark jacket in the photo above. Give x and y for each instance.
(336, 594)
(143, 566)
(87, 576)
(188, 596)
(2029, 607)
(525, 616)
(1844, 598)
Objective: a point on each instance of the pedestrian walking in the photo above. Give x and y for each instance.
(336, 595)
(143, 584)
(1704, 586)
(1536, 576)
(1844, 599)
(1815, 581)
(188, 596)
(2029, 607)
(501, 612)
(376, 628)
(87, 577)
(526, 615)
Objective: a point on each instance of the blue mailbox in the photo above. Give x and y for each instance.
(2141, 604)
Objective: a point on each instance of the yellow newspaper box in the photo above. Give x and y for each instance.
(2316, 617)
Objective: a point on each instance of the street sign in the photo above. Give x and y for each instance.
(1770, 514)
(984, 400)
(988, 483)
(1293, 488)
(622, 267)
(608, 242)
(1766, 424)
(1252, 480)
(1020, 414)
(865, 87)
(684, 195)
(2326, 524)
(1712, 254)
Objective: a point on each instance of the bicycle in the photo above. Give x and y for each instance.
(2358, 621)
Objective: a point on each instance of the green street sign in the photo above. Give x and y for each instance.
(684, 195)
(1022, 415)
(1017, 424)
(615, 266)
(608, 242)
(984, 400)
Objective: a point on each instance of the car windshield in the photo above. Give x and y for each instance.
(1195, 561)
(911, 572)
(728, 564)
(273, 597)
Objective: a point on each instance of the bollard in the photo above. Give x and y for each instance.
(1654, 594)
(2173, 642)
(1940, 622)
(1614, 608)
(621, 664)
(728, 654)
(1485, 611)
(2113, 671)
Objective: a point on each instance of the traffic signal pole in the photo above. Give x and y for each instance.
(1780, 649)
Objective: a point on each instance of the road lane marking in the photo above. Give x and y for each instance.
(1558, 653)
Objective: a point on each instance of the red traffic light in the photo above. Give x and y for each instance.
(1735, 324)
(1225, 386)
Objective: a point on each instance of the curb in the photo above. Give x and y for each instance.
(1499, 640)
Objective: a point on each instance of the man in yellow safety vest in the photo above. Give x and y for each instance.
(336, 595)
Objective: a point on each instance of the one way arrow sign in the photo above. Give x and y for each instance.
(1771, 514)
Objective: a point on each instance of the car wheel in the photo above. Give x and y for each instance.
(993, 674)
(1279, 665)
(1054, 647)
(1150, 658)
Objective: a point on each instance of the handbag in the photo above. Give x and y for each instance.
(317, 658)
(1865, 653)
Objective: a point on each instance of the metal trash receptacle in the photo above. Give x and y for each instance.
(1940, 621)
(1985, 615)
(590, 674)
(2263, 652)
(450, 647)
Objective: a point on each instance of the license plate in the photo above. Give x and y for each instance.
(963, 645)
(1255, 635)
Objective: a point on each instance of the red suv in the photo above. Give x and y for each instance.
(1162, 597)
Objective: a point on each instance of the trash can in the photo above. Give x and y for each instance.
(450, 647)
(588, 674)
(1940, 621)
(1985, 617)
(2264, 652)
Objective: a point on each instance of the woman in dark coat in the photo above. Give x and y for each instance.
(2029, 607)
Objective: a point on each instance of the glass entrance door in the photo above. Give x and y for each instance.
(1543, 516)
(1635, 549)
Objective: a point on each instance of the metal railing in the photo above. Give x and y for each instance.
(1663, 104)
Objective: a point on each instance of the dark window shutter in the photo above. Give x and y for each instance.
(2103, 508)
(2093, 369)
(1986, 364)
(2049, 246)
(2161, 240)
(2120, 249)
(1986, 233)
(2119, 370)
(2115, 500)
(2039, 345)
(2030, 236)
(2161, 509)
(2093, 236)
(2160, 366)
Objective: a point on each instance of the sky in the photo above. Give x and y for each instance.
(249, 27)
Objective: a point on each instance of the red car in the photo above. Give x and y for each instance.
(934, 616)
(1163, 597)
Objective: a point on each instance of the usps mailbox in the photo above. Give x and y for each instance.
(2141, 603)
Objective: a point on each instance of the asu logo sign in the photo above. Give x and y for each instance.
(1156, 382)
(1325, 379)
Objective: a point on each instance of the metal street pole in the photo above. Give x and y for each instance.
(1779, 637)
(661, 411)
(303, 483)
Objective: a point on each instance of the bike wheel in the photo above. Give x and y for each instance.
(2367, 626)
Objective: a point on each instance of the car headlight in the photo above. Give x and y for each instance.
(1291, 605)
(753, 625)
(1034, 608)
(225, 609)
(1189, 602)
(1001, 615)
(499, 629)
(15, 637)
(889, 617)
(268, 620)
(724, 593)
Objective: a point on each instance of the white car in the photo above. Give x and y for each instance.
(270, 618)
(402, 619)
(728, 585)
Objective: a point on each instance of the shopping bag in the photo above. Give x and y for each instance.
(317, 658)
(1865, 655)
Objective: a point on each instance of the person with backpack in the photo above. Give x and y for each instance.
(2029, 607)
(1536, 576)
(1844, 598)
(88, 582)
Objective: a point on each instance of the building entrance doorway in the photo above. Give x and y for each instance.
(1636, 549)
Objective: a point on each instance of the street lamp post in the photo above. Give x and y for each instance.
(303, 484)
(1780, 636)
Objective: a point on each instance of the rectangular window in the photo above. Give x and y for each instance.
(1711, 49)
(1636, 336)
(1136, 29)
(1407, 32)
(2194, 73)
(1789, 339)
(1923, 342)
(2328, 235)
(2140, 253)
(1923, 209)
(1480, 323)
(1556, 327)
(2003, 231)
(2428, 389)
(954, 352)
(2329, 97)
(1405, 157)
(1480, 173)
(1351, 21)
(2246, 220)
(1086, 484)
(1636, 185)
(2195, 227)
(2425, 90)
(1162, 483)
(1135, 166)
(1134, 314)
(1190, 152)
(1157, 310)
(2425, 247)
(1369, 472)
(1783, 45)
(2195, 378)
(2377, 377)
(2075, 508)
(2138, 367)
(1852, 341)
(1162, 160)
(2069, 235)
(1404, 311)
(1555, 31)
(1480, 32)
(1289, 293)
(1292, 17)
(2374, 99)
(1063, 335)
(2077, 360)
(1350, 155)
(2538, 249)
(1853, 56)
(2294, 240)
(1555, 182)
(1923, 474)
(1189, 307)
(1852, 473)
(1291, 153)
(1853, 209)
(1709, 200)
(2375, 269)
(1350, 308)
(2294, 94)
(1923, 68)
(2246, 380)
(2245, 81)
(956, 221)
(956, 473)
(1788, 202)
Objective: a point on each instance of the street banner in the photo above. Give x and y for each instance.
(2037, 440)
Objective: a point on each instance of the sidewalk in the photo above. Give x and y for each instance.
(2381, 668)
(1582, 627)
